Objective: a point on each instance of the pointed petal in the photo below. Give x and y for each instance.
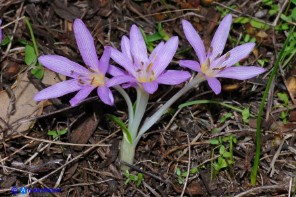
(104, 61)
(106, 95)
(165, 55)
(191, 64)
(173, 77)
(150, 87)
(138, 46)
(241, 72)
(120, 79)
(194, 40)
(155, 52)
(125, 47)
(215, 84)
(238, 53)
(57, 90)
(123, 61)
(115, 71)
(86, 45)
(62, 65)
(81, 95)
(220, 37)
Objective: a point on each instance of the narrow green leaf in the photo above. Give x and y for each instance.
(241, 20)
(259, 24)
(121, 124)
(154, 37)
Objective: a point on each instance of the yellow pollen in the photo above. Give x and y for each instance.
(97, 80)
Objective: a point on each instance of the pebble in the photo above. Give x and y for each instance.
(261, 13)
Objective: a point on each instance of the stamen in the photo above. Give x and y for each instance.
(90, 69)
(92, 80)
(139, 70)
(222, 68)
(80, 81)
(219, 54)
(149, 67)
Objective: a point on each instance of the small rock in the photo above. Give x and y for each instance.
(261, 13)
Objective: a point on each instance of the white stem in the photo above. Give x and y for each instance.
(156, 116)
(128, 102)
(127, 153)
(142, 101)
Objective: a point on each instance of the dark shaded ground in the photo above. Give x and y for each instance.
(32, 158)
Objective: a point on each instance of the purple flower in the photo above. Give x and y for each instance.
(85, 79)
(142, 70)
(211, 64)
(0, 31)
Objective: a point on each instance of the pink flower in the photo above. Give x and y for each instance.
(142, 70)
(213, 64)
(84, 79)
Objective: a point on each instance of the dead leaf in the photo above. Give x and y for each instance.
(25, 106)
(292, 85)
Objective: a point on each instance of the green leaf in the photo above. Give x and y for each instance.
(214, 141)
(258, 24)
(222, 149)
(246, 115)
(30, 56)
(6, 41)
(154, 37)
(227, 154)
(162, 33)
(38, 72)
(184, 174)
(193, 170)
(53, 133)
(285, 18)
(284, 98)
(121, 124)
(293, 14)
(222, 162)
(178, 171)
(241, 20)
(225, 117)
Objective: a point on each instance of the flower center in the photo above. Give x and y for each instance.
(146, 75)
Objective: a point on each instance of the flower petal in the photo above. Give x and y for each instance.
(104, 61)
(138, 45)
(150, 87)
(191, 64)
(115, 71)
(173, 77)
(86, 45)
(215, 84)
(165, 55)
(155, 52)
(106, 95)
(0, 31)
(241, 72)
(120, 79)
(220, 37)
(194, 40)
(125, 47)
(57, 90)
(238, 53)
(62, 65)
(81, 95)
(123, 61)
